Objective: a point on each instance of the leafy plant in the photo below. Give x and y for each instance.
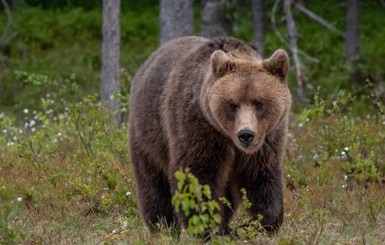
(195, 202)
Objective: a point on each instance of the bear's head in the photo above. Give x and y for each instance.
(247, 98)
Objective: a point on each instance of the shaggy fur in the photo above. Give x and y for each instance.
(189, 102)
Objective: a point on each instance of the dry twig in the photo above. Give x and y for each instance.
(281, 38)
(318, 19)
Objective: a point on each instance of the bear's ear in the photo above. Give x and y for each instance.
(278, 64)
(221, 64)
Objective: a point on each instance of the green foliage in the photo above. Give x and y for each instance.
(245, 201)
(316, 111)
(252, 228)
(10, 234)
(65, 163)
(354, 144)
(195, 202)
(69, 44)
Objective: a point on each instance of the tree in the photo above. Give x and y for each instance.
(213, 22)
(176, 19)
(352, 54)
(10, 28)
(292, 31)
(110, 77)
(352, 35)
(259, 25)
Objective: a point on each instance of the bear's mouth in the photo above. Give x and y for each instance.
(249, 148)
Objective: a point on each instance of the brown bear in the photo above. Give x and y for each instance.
(219, 109)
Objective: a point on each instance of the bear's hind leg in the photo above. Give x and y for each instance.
(153, 191)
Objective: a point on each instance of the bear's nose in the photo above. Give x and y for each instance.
(245, 136)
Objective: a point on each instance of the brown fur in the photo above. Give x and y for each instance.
(189, 102)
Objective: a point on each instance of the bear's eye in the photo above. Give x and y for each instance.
(258, 105)
(232, 107)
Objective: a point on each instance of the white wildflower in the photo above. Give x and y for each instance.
(128, 193)
(346, 148)
(19, 199)
(32, 123)
(26, 111)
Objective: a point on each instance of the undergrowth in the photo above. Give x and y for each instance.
(65, 178)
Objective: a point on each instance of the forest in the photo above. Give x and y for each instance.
(65, 172)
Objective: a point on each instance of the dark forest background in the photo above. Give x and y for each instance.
(64, 38)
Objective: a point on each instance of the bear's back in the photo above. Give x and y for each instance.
(155, 71)
(145, 120)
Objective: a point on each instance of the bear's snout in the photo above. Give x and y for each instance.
(245, 136)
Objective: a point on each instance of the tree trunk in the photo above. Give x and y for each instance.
(259, 26)
(9, 32)
(176, 19)
(110, 77)
(213, 22)
(352, 36)
(292, 31)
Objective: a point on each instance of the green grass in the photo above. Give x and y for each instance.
(66, 178)
(64, 169)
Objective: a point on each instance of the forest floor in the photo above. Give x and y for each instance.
(65, 179)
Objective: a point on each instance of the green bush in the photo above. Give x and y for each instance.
(195, 202)
(66, 162)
